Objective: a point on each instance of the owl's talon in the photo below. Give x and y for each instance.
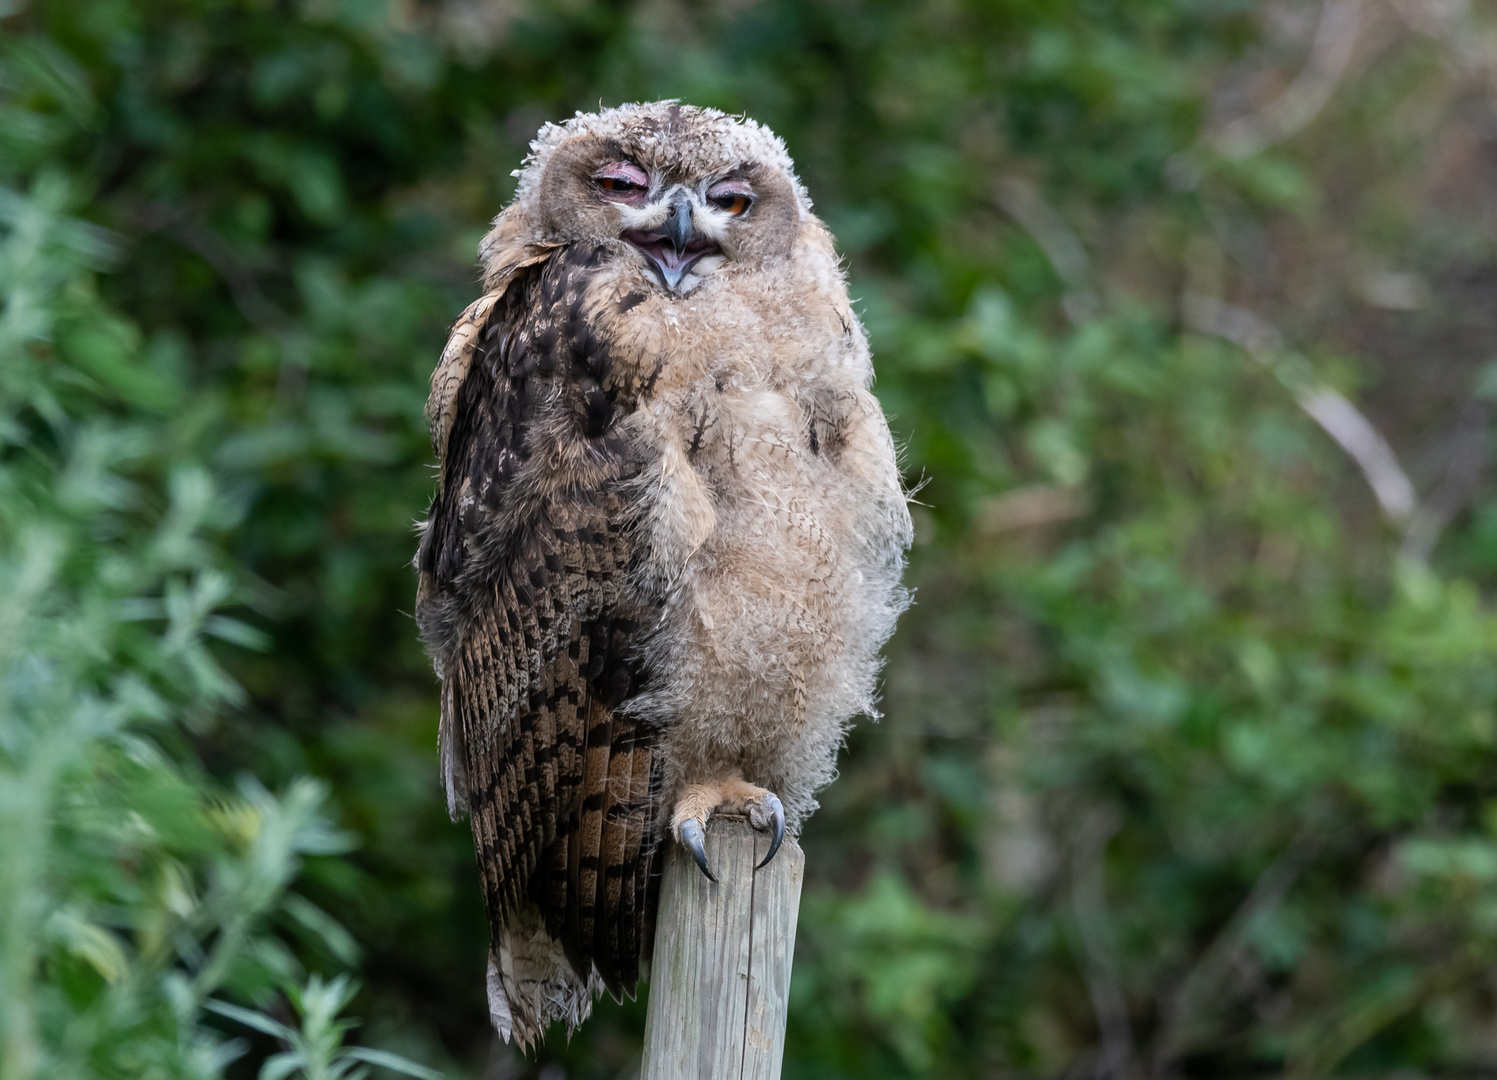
(690, 835)
(777, 825)
(698, 802)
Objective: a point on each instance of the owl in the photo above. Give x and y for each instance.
(668, 536)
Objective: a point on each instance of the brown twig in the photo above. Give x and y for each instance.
(1225, 950)
(1357, 1021)
(1089, 905)
(218, 254)
(240, 280)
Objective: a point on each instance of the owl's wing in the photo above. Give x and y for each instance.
(452, 369)
(524, 600)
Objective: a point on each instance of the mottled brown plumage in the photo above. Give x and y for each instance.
(666, 544)
(528, 565)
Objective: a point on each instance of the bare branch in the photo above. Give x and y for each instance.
(1463, 472)
(216, 252)
(1019, 199)
(1337, 416)
(1181, 1008)
(1289, 113)
(252, 303)
(1470, 41)
(1089, 904)
(1359, 1018)
(1356, 435)
(1030, 507)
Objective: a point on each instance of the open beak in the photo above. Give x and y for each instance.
(675, 247)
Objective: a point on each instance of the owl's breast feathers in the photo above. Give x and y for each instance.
(525, 605)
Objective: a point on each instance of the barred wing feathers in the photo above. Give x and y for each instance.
(525, 603)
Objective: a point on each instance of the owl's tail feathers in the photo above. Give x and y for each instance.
(531, 983)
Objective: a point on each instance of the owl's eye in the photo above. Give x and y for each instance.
(733, 204)
(623, 180)
(615, 183)
(731, 196)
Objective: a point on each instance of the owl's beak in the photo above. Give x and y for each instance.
(675, 247)
(678, 227)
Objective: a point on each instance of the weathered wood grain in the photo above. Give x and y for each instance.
(720, 979)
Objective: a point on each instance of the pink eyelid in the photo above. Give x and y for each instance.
(624, 171)
(730, 187)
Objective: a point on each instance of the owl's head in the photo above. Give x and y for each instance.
(683, 192)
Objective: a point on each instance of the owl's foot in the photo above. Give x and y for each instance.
(698, 802)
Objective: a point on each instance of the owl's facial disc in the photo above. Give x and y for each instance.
(678, 229)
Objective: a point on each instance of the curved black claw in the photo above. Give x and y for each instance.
(690, 834)
(776, 823)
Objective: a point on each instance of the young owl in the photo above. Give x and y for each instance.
(667, 542)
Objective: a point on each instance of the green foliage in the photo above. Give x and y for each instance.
(317, 1051)
(133, 887)
(1188, 756)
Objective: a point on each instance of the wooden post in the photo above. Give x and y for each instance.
(720, 977)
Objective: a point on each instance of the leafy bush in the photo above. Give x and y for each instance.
(133, 887)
